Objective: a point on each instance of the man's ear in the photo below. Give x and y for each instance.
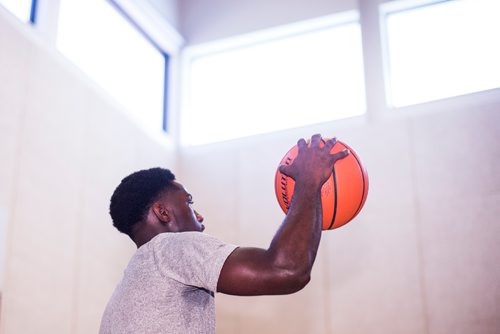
(161, 212)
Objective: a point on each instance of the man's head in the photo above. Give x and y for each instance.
(149, 202)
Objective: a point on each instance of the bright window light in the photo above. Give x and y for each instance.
(20, 8)
(273, 85)
(442, 50)
(107, 47)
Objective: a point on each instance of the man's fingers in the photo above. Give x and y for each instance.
(315, 140)
(341, 155)
(301, 144)
(330, 143)
(285, 169)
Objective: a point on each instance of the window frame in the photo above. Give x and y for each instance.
(165, 126)
(167, 37)
(387, 8)
(190, 53)
(134, 18)
(33, 11)
(30, 16)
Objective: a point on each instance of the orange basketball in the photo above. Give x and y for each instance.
(343, 194)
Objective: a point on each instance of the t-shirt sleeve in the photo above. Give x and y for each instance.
(191, 258)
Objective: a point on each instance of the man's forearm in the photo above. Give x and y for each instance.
(297, 240)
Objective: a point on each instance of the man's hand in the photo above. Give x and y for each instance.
(313, 164)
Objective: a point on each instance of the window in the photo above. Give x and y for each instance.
(22, 9)
(442, 50)
(120, 58)
(275, 83)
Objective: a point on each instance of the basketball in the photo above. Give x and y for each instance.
(342, 195)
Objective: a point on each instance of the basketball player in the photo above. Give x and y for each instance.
(169, 284)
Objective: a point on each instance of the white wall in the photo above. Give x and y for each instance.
(64, 147)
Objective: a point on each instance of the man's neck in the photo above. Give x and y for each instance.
(143, 236)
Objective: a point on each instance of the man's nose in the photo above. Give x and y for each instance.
(198, 216)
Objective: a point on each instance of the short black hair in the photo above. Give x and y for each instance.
(135, 194)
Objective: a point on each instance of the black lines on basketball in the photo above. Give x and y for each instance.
(284, 183)
(364, 185)
(334, 176)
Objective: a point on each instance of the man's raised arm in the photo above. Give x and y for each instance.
(285, 267)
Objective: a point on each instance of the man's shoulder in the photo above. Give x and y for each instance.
(188, 235)
(184, 242)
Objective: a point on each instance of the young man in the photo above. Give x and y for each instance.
(169, 284)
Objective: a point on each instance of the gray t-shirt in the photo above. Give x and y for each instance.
(168, 286)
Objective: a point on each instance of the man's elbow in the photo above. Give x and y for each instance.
(302, 281)
(296, 281)
(293, 275)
